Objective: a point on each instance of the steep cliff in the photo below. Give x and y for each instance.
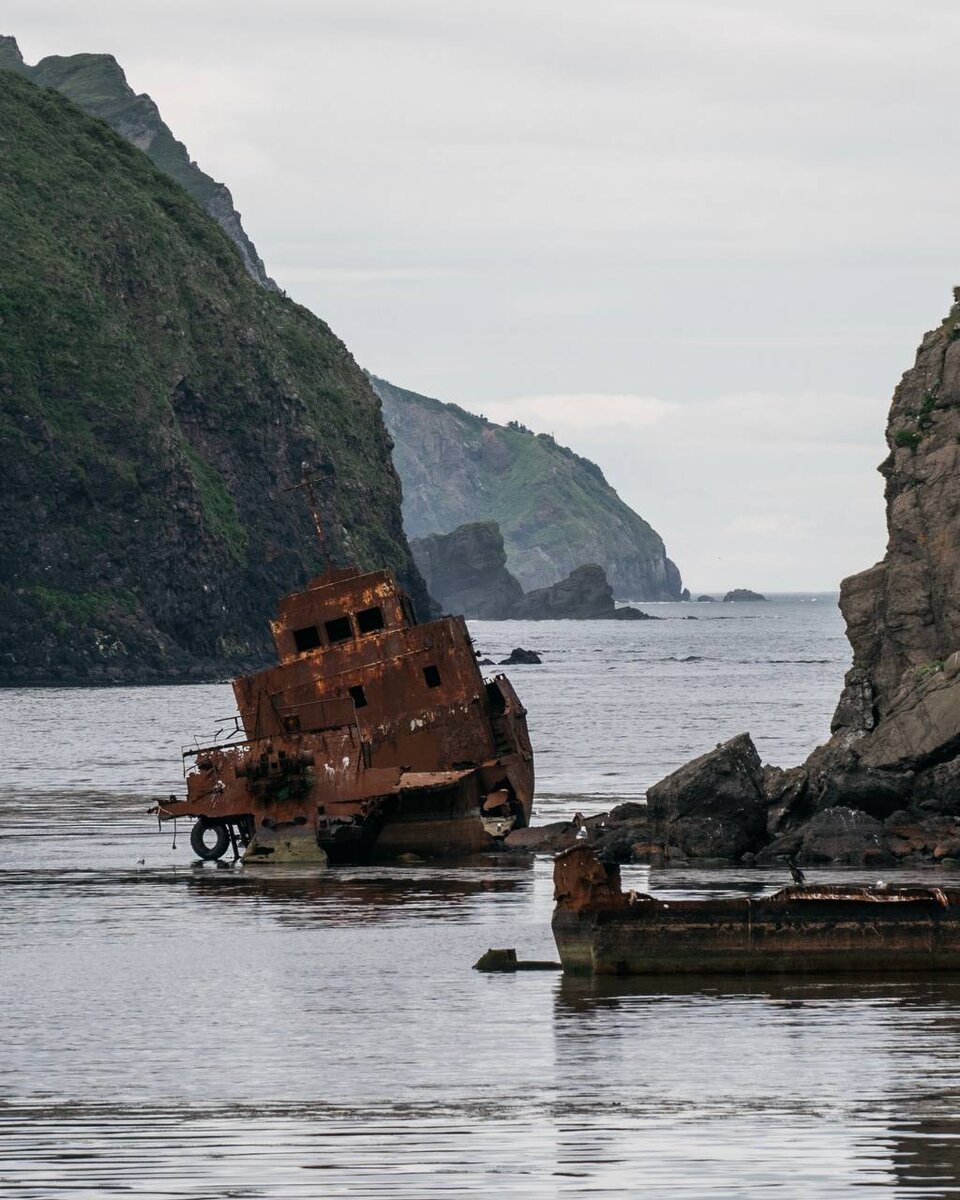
(155, 403)
(97, 84)
(886, 787)
(555, 509)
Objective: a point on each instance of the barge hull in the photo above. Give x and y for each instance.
(601, 930)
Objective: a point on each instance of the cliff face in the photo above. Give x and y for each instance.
(903, 615)
(886, 787)
(555, 509)
(96, 83)
(155, 403)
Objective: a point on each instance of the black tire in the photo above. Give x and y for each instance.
(198, 839)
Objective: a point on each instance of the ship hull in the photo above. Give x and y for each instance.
(601, 930)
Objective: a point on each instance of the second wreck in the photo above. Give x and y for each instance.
(373, 736)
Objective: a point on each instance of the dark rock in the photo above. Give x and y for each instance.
(543, 839)
(465, 571)
(715, 806)
(706, 599)
(583, 595)
(626, 613)
(743, 594)
(844, 835)
(521, 657)
(685, 594)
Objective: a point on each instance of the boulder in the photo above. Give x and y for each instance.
(706, 599)
(520, 657)
(466, 571)
(626, 613)
(715, 806)
(844, 835)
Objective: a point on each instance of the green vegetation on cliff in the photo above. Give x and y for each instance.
(555, 509)
(154, 405)
(96, 83)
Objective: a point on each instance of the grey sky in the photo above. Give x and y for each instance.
(716, 230)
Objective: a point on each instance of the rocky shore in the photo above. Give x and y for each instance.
(885, 788)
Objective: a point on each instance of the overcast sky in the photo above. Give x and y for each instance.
(698, 241)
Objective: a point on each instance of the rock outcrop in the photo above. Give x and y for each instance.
(555, 508)
(742, 594)
(96, 83)
(155, 406)
(466, 572)
(714, 806)
(583, 595)
(886, 787)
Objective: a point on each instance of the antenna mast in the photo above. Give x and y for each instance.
(323, 474)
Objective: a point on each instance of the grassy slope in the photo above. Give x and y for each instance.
(96, 83)
(154, 402)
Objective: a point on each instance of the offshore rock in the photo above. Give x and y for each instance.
(714, 806)
(583, 595)
(465, 571)
(521, 657)
(742, 594)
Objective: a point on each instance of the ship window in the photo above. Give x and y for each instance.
(359, 696)
(338, 630)
(291, 724)
(369, 620)
(432, 676)
(306, 639)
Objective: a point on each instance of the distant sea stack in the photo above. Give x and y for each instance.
(555, 509)
(155, 406)
(465, 573)
(742, 594)
(97, 84)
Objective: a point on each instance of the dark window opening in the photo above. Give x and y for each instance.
(359, 696)
(408, 611)
(338, 630)
(432, 676)
(291, 724)
(369, 620)
(307, 639)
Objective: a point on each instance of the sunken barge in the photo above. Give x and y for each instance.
(602, 930)
(374, 736)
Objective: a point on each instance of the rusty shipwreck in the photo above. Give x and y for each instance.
(600, 929)
(373, 736)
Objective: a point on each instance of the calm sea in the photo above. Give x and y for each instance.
(168, 1030)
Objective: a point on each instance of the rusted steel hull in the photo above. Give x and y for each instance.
(373, 736)
(799, 930)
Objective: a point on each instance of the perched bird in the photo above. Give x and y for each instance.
(581, 834)
(141, 862)
(796, 874)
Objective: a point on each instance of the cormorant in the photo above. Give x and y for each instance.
(795, 873)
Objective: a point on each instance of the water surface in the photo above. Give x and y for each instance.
(174, 1031)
